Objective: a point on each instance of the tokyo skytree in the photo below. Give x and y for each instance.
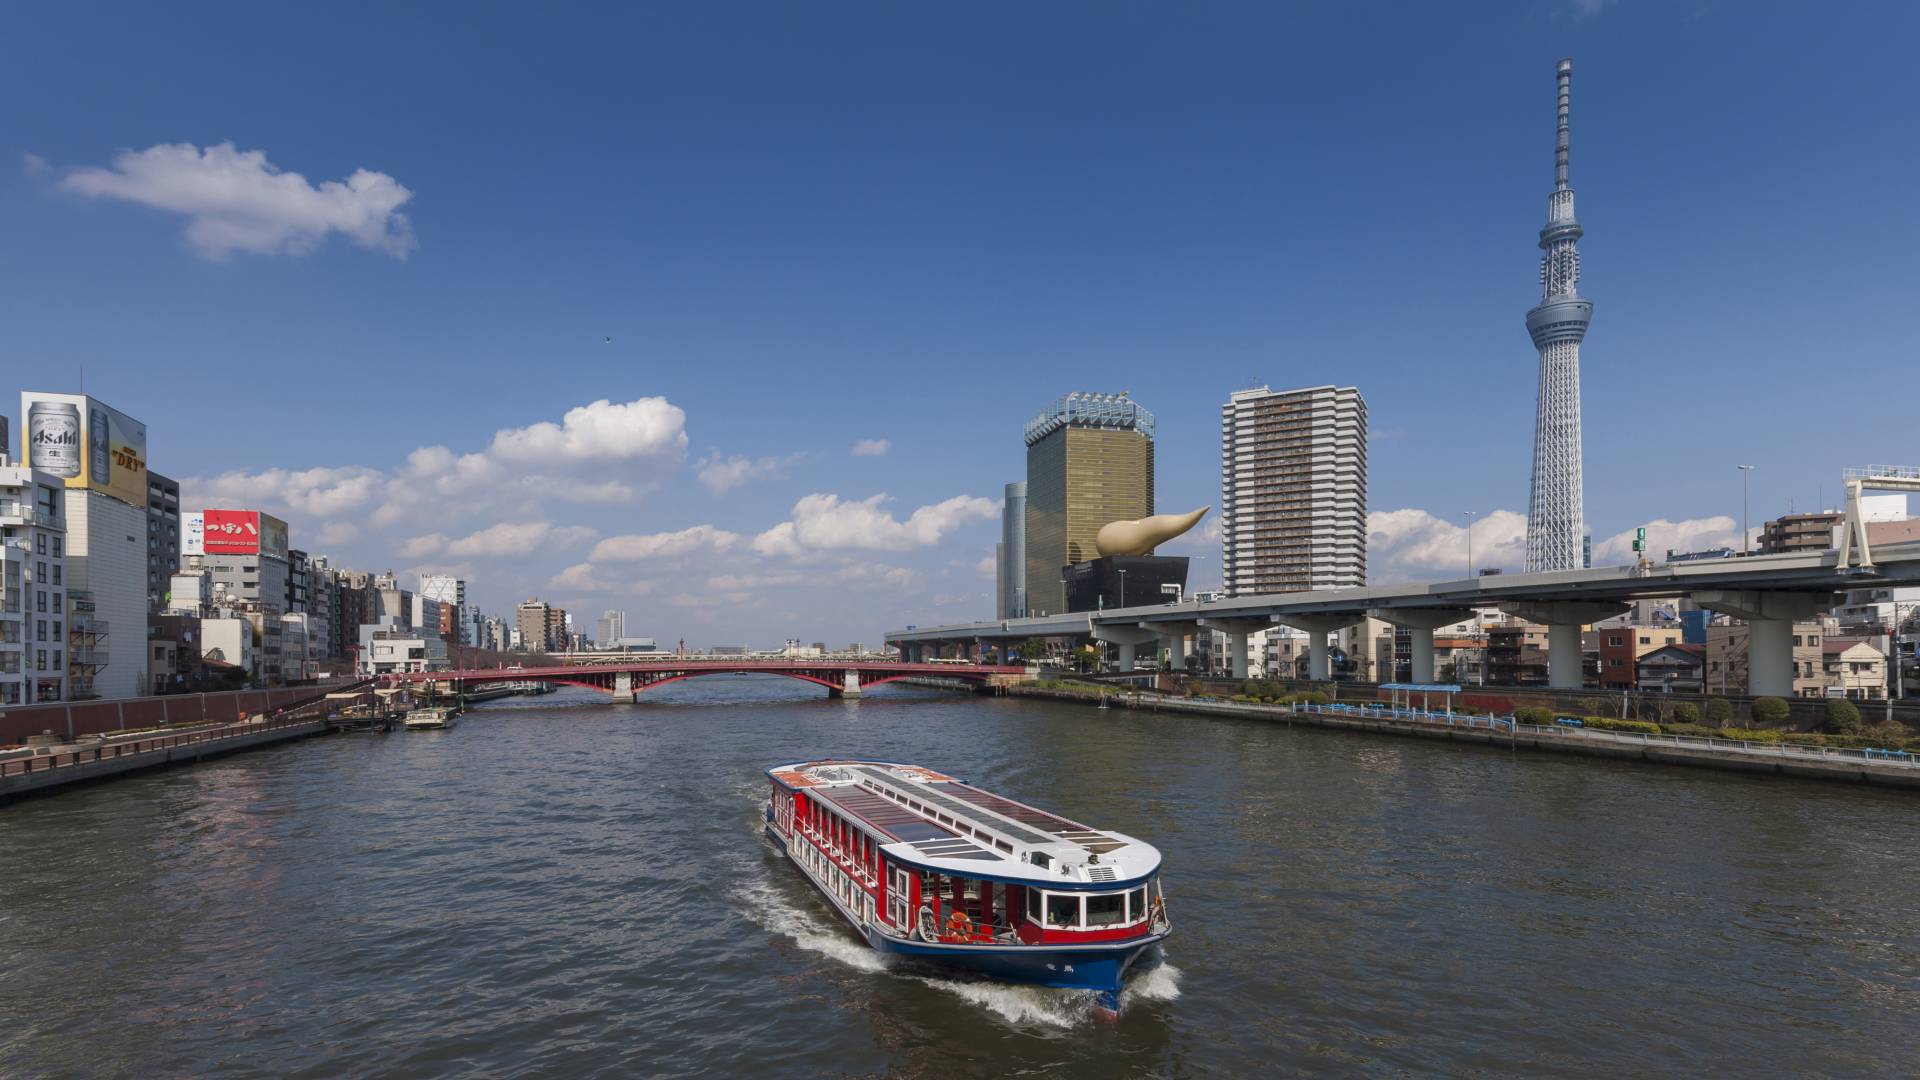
(1555, 529)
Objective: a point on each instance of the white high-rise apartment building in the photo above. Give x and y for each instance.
(1293, 478)
(33, 565)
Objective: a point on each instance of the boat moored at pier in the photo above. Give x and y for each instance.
(924, 865)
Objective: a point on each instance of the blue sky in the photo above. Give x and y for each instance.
(806, 225)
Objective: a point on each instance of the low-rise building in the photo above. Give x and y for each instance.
(1622, 647)
(1852, 668)
(1676, 668)
(387, 648)
(1517, 654)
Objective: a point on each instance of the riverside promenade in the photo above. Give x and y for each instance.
(35, 770)
(1879, 767)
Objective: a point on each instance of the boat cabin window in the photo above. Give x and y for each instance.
(1063, 910)
(1033, 905)
(1106, 910)
(1040, 859)
(1137, 904)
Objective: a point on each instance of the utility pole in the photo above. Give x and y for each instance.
(1470, 515)
(1746, 489)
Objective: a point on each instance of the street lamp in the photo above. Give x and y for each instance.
(1746, 488)
(1470, 515)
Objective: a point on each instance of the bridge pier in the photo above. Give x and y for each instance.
(1126, 639)
(1770, 617)
(849, 686)
(1420, 625)
(1175, 636)
(1317, 627)
(623, 691)
(1566, 660)
(1237, 631)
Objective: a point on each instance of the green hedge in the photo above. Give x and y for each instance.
(1608, 723)
(1768, 711)
(1534, 714)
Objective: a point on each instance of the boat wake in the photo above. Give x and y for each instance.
(1019, 1005)
(821, 933)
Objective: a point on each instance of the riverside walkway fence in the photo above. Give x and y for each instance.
(1889, 767)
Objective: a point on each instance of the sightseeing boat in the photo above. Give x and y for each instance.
(925, 865)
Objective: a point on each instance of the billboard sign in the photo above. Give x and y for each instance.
(86, 443)
(193, 533)
(240, 532)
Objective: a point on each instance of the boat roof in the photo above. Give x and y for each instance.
(939, 822)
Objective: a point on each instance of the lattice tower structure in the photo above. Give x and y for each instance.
(1555, 508)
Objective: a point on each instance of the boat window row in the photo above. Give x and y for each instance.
(1088, 911)
(959, 827)
(839, 882)
(839, 836)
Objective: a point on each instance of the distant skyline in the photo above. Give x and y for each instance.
(730, 316)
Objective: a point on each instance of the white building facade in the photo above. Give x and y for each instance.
(1293, 501)
(33, 575)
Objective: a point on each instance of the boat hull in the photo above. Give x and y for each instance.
(1100, 967)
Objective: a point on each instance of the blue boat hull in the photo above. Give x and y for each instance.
(1098, 967)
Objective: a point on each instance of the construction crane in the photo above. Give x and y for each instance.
(1854, 530)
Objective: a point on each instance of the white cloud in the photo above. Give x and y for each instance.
(987, 569)
(872, 448)
(320, 493)
(823, 522)
(722, 475)
(337, 532)
(1693, 534)
(419, 547)
(649, 429)
(508, 538)
(237, 200)
(1411, 543)
(34, 165)
(665, 545)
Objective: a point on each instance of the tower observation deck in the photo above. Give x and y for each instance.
(1555, 525)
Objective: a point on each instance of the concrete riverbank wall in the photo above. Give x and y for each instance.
(1812, 763)
(100, 759)
(74, 719)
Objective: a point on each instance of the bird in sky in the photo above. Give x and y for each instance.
(608, 340)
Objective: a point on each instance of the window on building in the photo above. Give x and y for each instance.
(40, 601)
(40, 630)
(1645, 640)
(56, 547)
(39, 543)
(56, 575)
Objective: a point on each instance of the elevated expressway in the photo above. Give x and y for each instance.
(1768, 592)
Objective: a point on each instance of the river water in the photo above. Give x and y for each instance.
(562, 887)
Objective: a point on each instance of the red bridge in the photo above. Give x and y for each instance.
(842, 678)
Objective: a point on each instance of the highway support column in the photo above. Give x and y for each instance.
(1566, 660)
(1420, 623)
(1126, 639)
(1317, 627)
(1769, 617)
(1237, 631)
(1175, 635)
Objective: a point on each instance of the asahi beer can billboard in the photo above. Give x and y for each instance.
(86, 443)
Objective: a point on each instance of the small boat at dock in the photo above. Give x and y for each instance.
(431, 718)
(924, 865)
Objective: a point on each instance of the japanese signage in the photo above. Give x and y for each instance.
(193, 533)
(85, 443)
(241, 532)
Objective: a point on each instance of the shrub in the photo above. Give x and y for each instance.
(1534, 714)
(1889, 733)
(1765, 735)
(1608, 723)
(1698, 731)
(1686, 713)
(1312, 697)
(1843, 717)
(1768, 711)
(1719, 712)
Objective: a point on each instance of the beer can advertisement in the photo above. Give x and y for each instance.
(86, 443)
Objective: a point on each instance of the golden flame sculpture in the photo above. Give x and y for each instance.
(1142, 536)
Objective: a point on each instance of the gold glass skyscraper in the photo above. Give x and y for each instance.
(1089, 462)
